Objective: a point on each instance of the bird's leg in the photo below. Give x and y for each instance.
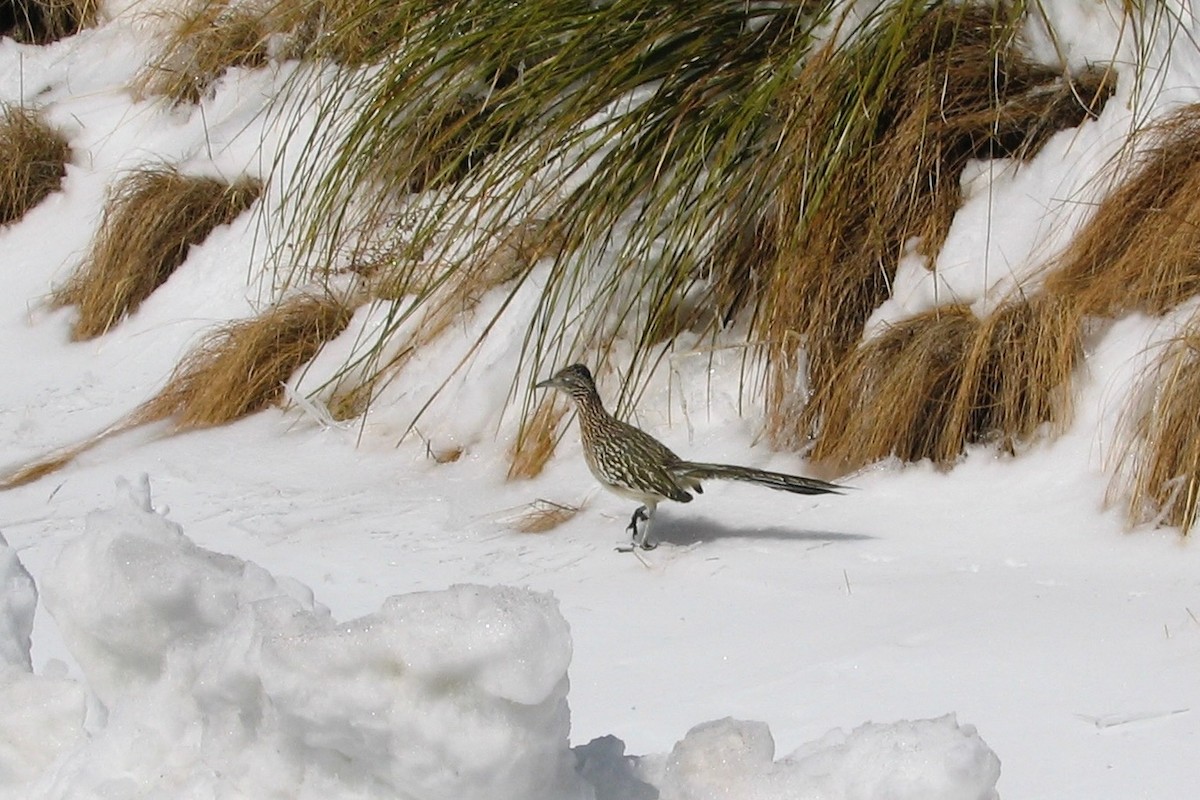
(641, 538)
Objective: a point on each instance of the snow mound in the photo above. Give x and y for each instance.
(933, 759)
(221, 680)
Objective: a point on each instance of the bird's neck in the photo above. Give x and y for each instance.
(591, 407)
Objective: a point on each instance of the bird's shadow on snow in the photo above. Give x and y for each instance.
(683, 531)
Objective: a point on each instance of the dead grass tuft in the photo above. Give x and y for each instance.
(1141, 249)
(241, 368)
(45, 21)
(34, 163)
(931, 385)
(151, 220)
(960, 89)
(543, 516)
(1160, 464)
(357, 32)
(28, 473)
(202, 44)
(895, 392)
(1016, 376)
(536, 440)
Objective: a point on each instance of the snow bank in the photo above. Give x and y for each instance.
(214, 679)
(924, 760)
(221, 680)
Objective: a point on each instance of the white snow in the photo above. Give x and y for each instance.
(215, 679)
(306, 609)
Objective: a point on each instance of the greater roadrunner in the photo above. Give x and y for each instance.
(635, 465)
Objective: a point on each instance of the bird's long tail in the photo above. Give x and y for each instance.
(691, 470)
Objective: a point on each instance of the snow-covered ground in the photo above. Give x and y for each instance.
(283, 608)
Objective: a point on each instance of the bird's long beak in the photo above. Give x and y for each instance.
(546, 384)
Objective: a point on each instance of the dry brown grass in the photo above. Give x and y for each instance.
(45, 21)
(931, 385)
(47, 465)
(241, 368)
(210, 37)
(896, 391)
(1016, 376)
(1141, 249)
(1159, 474)
(962, 91)
(542, 516)
(354, 32)
(536, 440)
(34, 162)
(201, 45)
(149, 222)
(237, 370)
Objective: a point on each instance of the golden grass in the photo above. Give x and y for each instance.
(1016, 376)
(959, 90)
(542, 516)
(896, 391)
(241, 368)
(1140, 251)
(47, 465)
(536, 440)
(932, 384)
(151, 220)
(1159, 473)
(351, 32)
(201, 45)
(34, 162)
(209, 37)
(45, 21)
(235, 371)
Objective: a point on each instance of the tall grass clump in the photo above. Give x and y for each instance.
(34, 163)
(45, 21)
(705, 162)
(639, 129)
(882, 128)
(151, 219)
(536, 441)
(1159, 471)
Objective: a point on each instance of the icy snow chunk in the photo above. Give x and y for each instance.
(460, 692)
(133, 586)
(921, 760)
(221, 680)
(39, 717)
(18, 597)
